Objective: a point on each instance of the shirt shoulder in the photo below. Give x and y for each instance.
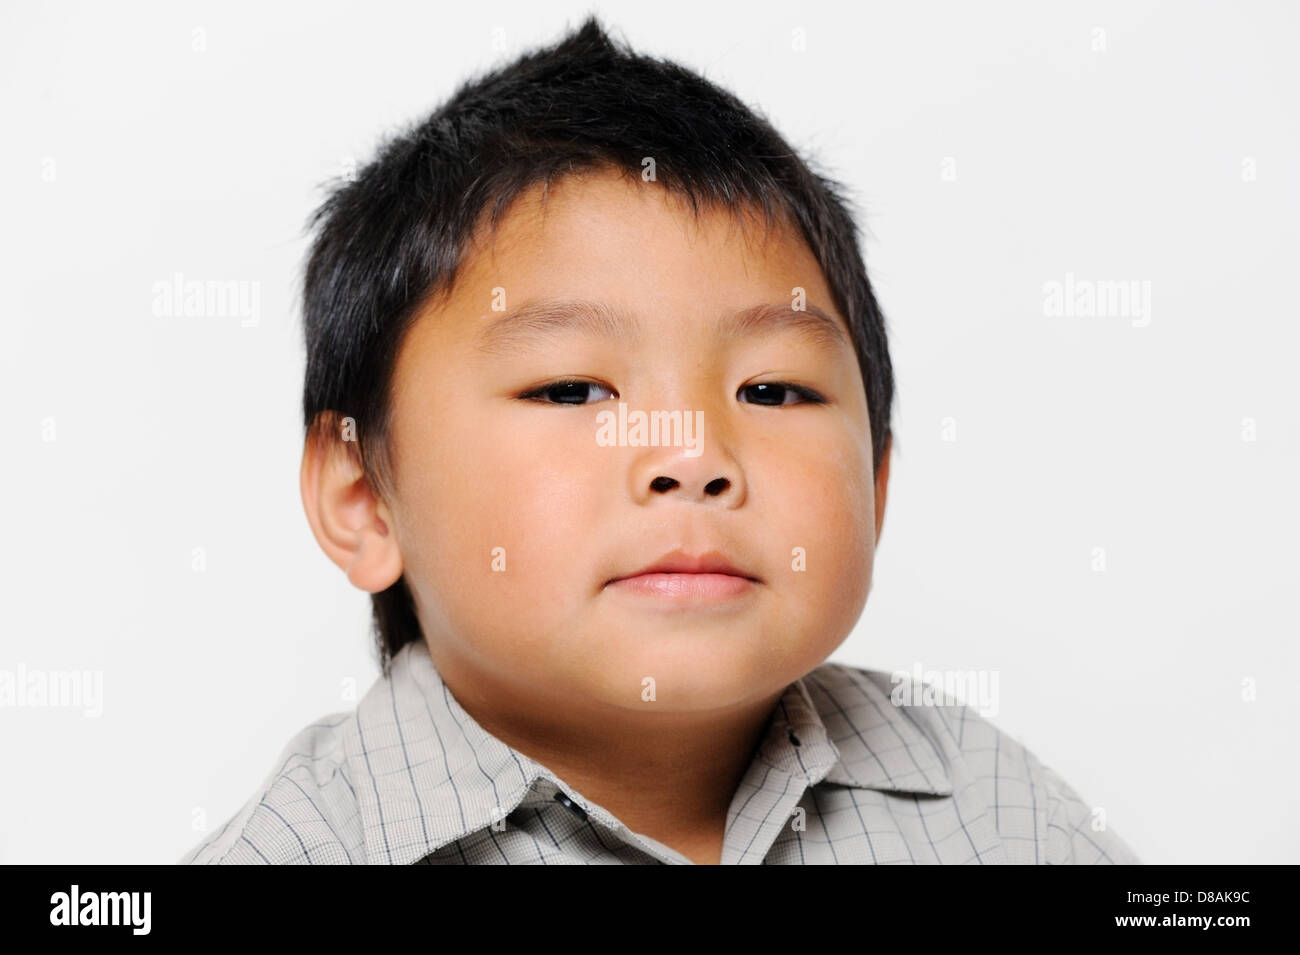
(304, 812)
(1039, 817)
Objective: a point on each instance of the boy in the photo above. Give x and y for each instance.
(597, 405)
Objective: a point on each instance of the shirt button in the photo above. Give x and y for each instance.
(569, 804)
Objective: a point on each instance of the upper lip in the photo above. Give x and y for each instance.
(680, 562)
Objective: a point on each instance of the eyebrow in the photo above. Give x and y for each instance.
(533, 322)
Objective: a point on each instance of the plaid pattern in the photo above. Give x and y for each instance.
(843, 776)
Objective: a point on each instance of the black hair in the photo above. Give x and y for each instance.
(391, 237)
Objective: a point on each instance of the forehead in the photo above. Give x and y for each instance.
(596, 209)
(604, 253)
(604, 237)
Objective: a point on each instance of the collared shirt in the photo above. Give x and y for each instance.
(841, 776)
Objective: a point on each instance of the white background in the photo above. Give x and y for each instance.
(1122, 163)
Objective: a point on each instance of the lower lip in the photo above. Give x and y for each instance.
(685, 586)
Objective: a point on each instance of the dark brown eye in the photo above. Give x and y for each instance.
(569, 392)
(776, 393)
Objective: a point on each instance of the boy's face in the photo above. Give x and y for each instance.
(513, 515)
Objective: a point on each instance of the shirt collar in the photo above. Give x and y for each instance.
(845, 720)
(425, 773)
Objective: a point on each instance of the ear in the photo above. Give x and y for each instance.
(882, 484)
(352, 525)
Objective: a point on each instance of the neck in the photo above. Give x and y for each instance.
(667, 775)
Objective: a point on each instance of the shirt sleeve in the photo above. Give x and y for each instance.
(303, 813)
(1077, 832)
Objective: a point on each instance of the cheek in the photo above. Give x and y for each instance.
(826, 506)
(501, 530)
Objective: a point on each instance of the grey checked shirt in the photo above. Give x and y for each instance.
(842, 776)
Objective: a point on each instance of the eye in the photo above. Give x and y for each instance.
(567, 392)
(776, 393)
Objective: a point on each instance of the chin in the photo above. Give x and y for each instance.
(698, 676)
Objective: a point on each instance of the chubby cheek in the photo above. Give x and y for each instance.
(825, 509)
(503, 543)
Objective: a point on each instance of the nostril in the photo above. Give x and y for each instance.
(663, 484)
(717, 486)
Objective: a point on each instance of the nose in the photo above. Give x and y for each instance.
(716, 488)
(713, 476)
